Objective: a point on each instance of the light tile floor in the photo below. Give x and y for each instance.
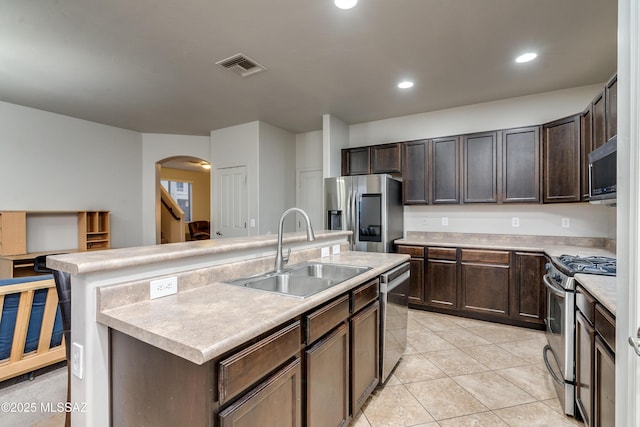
(463, 372)
(455, 372)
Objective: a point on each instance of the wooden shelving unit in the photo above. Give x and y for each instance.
(13, 232)
(94, 233)
(94, 230)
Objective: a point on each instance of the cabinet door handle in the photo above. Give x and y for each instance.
(635, 343)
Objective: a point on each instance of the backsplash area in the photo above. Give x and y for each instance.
(566, 219)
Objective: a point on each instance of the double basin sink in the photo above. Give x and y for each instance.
(302, 280)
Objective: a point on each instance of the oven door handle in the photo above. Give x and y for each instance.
(547, 349)
(555, 289)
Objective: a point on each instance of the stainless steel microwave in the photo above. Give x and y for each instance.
(602, 173)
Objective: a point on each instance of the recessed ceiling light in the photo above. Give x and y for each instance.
(345, 4)
(526, 57)
(405, 84)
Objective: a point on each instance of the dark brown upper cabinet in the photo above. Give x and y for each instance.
(612, 107)
(599, 119)
(356, 161)
(445, 170)
(586, 146)
(561, 160)
(415, 176)
(480, 168)
(521, 165)
(386, 158)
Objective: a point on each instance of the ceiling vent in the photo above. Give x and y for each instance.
(241, 64)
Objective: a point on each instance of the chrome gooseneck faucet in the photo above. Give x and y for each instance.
(280, 259)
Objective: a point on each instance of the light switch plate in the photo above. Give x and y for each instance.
(77, 360)
(163, 287)
(325, 252)
(336, 249)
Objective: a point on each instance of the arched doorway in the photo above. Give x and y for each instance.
(183, 195)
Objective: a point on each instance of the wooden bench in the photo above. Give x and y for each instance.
(30, 325)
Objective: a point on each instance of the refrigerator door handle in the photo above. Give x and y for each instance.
(354, 219)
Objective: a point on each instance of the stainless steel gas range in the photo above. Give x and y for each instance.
(559, 353)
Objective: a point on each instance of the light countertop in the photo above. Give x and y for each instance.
(203, 323)
(603, 288)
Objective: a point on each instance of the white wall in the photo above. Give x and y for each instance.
(54, 162)
(335, 137)
(156, 147)
(543, 220)
(309, 151)
(277, 183)
(504, 114)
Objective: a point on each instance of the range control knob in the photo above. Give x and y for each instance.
(556, 277)
(547, 266)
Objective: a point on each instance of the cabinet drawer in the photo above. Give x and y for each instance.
(490, 257)
(606, 326)
(364, 295)
(442, 253)
(248, 366)
(586, 304)
(326, 318)
(414, 251)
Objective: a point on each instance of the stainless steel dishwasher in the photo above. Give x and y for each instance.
(394, 310)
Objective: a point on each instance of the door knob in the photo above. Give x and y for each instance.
(635, 342)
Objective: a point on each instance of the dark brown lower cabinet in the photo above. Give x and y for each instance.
(416, 280)
(604, 397)
(528, 300)
(327, 381)
(365, 345)
(484, 281)
(278, 400)
(441, 289)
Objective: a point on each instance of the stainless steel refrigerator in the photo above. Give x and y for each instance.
(368, 205)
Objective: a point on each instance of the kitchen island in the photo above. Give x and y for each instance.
(128, 338)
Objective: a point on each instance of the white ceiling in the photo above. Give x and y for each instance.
(149, 65)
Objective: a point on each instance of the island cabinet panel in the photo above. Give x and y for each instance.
(521, 165)
(150, 387)
(442, 273)
(480, 160)
(585, 342)
(277, 401)
(445, 170)
(326, 318)
(604, 399)
(586, 146)
(415, 175)
(245, 367)
(416, 280)
(327, 380)
(356, 161)
(484, 281)
(386, 158)
(365, 357)
(561, 160)
(528, 299)
(599, 105)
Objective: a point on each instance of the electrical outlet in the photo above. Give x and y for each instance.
(163, 287)
(445, 220)
(566, 223)
(515, 221)
(325, 252)
(336, 249)
(77, 360)
(425, 221)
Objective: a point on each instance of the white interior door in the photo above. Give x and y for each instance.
(309, 198)
(231, 203)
